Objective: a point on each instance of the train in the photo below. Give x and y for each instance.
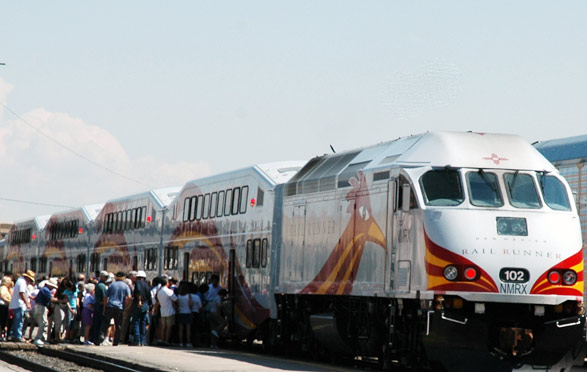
(443, 250)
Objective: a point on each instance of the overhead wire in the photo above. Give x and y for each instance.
(81, 156)
(36, 203)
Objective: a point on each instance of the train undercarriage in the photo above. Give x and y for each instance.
(427, 335)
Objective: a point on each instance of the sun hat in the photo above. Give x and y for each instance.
(141, 274)
(29, 274)
(52, 283)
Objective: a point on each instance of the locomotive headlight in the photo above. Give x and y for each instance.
(512, 226)
(451, 273)
(569, 277)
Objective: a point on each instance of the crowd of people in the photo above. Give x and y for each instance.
(112, 309)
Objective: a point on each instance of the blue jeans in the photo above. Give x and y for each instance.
(17, 322)
(139, 324)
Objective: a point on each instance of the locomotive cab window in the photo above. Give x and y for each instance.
(442, 188)
(522, 190)
(554, 192)
(484, 189)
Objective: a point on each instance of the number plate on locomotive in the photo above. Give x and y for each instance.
(514, 275)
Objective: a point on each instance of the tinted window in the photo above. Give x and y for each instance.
(484, 189)
(220, 204)
(521, 190)
(213, 204)
(228, 201)
(554, 193)
(442, 188)
(244, 198)
(236, 200)
(186, 209)
(206, 207)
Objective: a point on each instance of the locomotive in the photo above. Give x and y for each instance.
(442, 249)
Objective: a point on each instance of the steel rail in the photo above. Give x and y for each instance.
(90, 360)
(25, 363)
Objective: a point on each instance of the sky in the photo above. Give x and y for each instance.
(104, 99)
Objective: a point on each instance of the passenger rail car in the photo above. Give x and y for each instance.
(228, 224)
(128, 232)
(440, 249)
(23, 245)
(65, 242)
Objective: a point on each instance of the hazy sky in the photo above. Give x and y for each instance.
(167, 91)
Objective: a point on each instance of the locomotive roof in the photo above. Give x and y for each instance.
(434, 149)
(562, 149)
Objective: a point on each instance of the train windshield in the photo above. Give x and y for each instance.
(442, 188)
(554, 192)
(484, 189)
(521, 190)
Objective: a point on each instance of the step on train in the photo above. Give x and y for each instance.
(445, 250)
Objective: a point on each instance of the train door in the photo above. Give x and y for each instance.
(231, 287)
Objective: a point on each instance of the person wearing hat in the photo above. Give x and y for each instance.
(141, 308)
(99, 296)
(20, 303)
(117, 296)
(41, 311)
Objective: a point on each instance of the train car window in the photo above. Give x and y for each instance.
(228, 202)
(442, 188)
(206, 208)
(249, 258)
(114, 222)
(200, 204)
(186, 209)
(260, 197)
(220, 209)
(350, 171)
(208, 277)
(484, 189)
(193, 207)
(34, 264)
(195, 277)
(131, 219)
(554, 192)
(236, 192)
(137, 218)
(244, 199)
(105, 264)
(381, 176)
(522, 190)
(213, 204)
(264, 246)
(143, 216)
(256, 253)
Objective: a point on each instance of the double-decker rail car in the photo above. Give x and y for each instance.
(66, 239)
(456, 248)
(227, 225)
(127, 232)
(24, 244)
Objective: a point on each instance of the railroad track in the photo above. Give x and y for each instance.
(80, 358)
